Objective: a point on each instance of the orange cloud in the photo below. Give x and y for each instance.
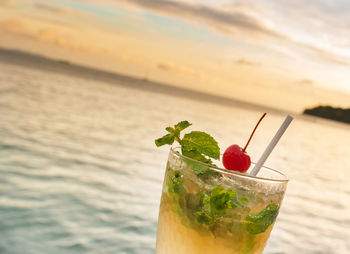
(14, 26)
(164, 67)
(43, 33)
(306, 82)
(243, 61)
(59, 10)
(185, 71)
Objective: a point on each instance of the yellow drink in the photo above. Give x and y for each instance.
(206, 210)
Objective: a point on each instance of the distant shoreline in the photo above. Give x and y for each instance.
(40, 62)
(329, 112)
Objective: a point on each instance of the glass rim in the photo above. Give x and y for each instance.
(236, 173)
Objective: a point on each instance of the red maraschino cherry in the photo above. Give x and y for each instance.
(236, 158)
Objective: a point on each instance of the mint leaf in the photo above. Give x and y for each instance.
(199, 169)
(202, 143)
(174, 133)
(182, 125)
(194, 201)
(233, 204)
(170, 129)
(203, 217)
(242, 200)
(168, 139)
(220, 200)
(258, 223)
(194, 154)
(176, 184)
(196, 145)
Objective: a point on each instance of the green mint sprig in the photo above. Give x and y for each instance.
(174, 133)
(197, 145)
(204, 217)
(258, 223)
(176, 183)
(220, 199)
(216, 204)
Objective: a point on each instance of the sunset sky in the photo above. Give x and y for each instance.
(287, 53)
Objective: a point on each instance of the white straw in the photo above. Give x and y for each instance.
(272, 145)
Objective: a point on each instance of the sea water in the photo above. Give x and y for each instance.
(79, 171)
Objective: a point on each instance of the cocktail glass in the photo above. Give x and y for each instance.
(206, 210)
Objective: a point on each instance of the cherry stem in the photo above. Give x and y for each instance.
(256, 126)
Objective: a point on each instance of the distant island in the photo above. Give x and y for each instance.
(329, 112)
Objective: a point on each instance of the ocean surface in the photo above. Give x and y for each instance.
(79, 171)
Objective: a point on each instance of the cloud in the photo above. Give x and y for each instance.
(235, 21)
(58, 10)
(45, 34)
(243, 61)
(316, 28)
(242, 6)
(306, 82)
(327, 55)
(14, 26)
(182, 70)
(303, 28)
(164, 67)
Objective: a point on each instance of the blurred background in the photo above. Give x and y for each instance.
(86, 87)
